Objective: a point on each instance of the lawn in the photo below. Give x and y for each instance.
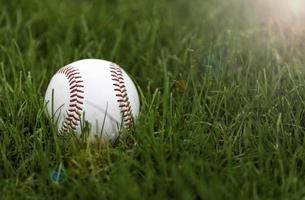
(222, 86)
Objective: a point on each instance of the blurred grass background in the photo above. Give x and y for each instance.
(222, 84)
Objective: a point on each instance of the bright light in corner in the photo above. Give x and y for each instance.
(296, 6)
(284, 11)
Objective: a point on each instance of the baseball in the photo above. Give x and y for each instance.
(94, 91)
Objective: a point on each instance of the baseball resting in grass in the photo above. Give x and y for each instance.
(94, 91)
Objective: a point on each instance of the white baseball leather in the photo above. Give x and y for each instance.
(96, 91)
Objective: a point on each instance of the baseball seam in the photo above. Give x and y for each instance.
(73, 113)
(122, 96)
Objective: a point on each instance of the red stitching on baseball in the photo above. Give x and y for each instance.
(76, 81)
(76, 86)
(75, 90)
(75, 105)
(76, 95)
(71, 75)
(72, 119)
(121, 94)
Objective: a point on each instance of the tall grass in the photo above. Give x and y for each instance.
(222, 101)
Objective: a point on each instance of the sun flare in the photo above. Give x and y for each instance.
(283, 12)
(296, 6)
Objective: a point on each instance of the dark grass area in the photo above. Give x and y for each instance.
(222, 100)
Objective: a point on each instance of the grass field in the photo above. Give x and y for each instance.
(222, 100)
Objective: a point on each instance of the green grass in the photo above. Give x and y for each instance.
(222, 100)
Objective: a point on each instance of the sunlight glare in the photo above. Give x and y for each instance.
(284, 11)
(296, 6)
